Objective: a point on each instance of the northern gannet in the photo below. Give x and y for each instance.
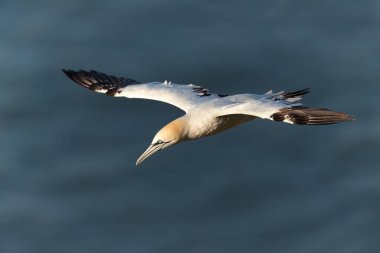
(206, 113)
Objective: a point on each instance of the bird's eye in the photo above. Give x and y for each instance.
(159, 142)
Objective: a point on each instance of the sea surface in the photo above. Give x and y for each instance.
(68, 181)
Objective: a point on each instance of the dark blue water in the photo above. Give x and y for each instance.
(68, 182)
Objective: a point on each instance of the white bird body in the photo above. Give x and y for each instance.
(206, 113)
(213, 125)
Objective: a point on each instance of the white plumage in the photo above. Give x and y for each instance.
(206, 113)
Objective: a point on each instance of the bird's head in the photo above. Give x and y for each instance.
(171, 134)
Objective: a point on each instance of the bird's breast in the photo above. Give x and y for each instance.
(203, 127)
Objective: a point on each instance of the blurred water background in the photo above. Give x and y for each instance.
(68, 182)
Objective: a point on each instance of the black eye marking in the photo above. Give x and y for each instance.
(161, 142)
(158, 142)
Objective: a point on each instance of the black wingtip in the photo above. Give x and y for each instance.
(99, 82)
(78, 77)
(67, 72)
(311, 116)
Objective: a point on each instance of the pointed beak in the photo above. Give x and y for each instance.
(150, 151)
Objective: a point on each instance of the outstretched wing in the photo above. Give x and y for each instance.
(181, 96)
(281, 106)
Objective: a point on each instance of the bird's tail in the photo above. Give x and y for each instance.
(310, 116)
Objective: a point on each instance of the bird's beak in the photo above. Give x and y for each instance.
(150, 151)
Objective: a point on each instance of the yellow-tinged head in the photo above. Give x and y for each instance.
(171, 134)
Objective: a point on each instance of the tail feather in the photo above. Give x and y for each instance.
(310, 116)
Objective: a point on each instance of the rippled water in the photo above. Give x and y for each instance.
(68, 182)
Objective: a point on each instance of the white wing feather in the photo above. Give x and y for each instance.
(182, 96)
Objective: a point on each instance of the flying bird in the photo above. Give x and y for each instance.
(206, 113)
